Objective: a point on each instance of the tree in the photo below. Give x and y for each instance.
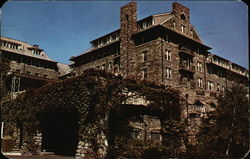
(4, 67)
(228, 136)
(233, 121)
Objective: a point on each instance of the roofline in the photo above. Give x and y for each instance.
(90, 50)
(219, 57)
(105, 35)
(50, 60)
(159, 25)
(228, 61)
(31, 46)
(239, 66)
(159, 14)
(16, 40)
(119, 28)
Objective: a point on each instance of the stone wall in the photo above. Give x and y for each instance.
(85, 148)
(145, 126)
(107, 63)
(128, 27)
(153, 62)
(34, 71)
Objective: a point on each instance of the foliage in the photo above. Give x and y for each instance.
(227, 135)
(4, 67)
(174, 136)
(136, 148)
(96, 96)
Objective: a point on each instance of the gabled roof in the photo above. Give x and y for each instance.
(159, 20)
(92, 49)
(26, 51)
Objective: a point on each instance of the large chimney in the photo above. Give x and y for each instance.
(181, 12)
(128, 22)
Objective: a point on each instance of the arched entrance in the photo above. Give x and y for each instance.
(59, 132)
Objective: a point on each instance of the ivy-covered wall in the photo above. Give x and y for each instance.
(99, 100)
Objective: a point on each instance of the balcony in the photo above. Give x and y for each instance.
(186, 51)
(200, 92)
(187, 67)
(213, 94)
(186, 82)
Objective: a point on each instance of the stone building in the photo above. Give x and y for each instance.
(163, 48)
(30, 66)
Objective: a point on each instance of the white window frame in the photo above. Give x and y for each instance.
(144, 73)
(144, 56)
(210, 85)
(168, 73)
(200, 83)
(182, 29)
(199, 67)
(168, 55)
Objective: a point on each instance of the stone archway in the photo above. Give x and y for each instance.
(59, 132)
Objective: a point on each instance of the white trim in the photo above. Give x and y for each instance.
(166, 20)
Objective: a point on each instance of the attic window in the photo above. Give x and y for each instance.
(183, 17)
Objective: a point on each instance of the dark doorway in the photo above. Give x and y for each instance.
(60, 132)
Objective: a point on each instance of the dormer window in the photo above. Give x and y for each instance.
(191, 33)
(183, 17)
(36, 51)
(182, 29)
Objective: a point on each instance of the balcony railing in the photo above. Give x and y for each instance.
(187, 67)
(201, 93)
(185, 50)
(214, 94)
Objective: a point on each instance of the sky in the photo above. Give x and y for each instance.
(65, 28)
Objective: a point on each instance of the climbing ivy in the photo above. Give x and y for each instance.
(96, 96)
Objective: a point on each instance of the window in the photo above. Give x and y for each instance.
(155, 135)
(28, 72)
(168, 55)
(223, 88)
(167, 38)
(109, 65)
(209, 70)
(144, 56)
(135, 134)
(199, 66)
(144, 73)
(198, 51)
(183, 17)
(144, 25)
(210, 85)
(168, 73)
(45, 76)
(182, 29)
(103, 67)
(218, 87)
(200, 82)
(36, 74)
(18, 71)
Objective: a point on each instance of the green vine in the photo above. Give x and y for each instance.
(96, 96)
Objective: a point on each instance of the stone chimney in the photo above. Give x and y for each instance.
(128, 27)
(181, 12)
